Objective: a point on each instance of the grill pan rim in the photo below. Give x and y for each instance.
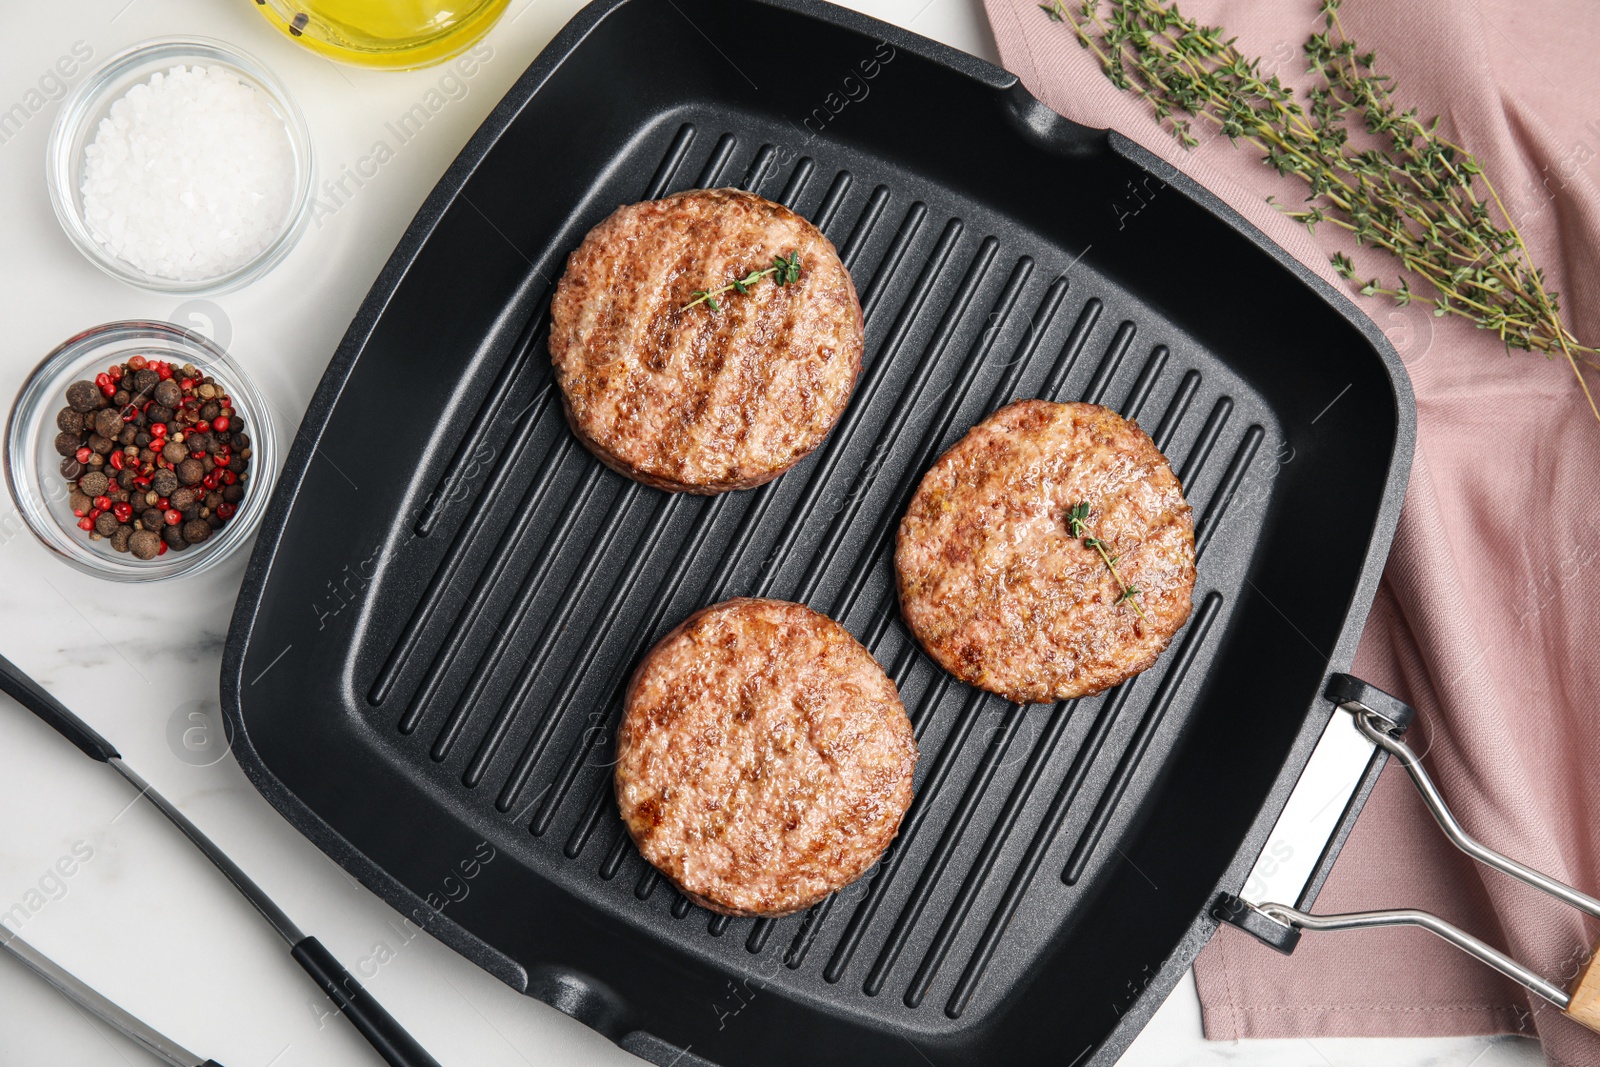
(1048, 127)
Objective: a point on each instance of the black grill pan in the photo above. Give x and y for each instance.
(424, 666)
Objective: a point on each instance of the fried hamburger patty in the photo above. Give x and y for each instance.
(695, 399)
(764, 759)
(996, 588)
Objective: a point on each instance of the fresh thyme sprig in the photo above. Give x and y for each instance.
(783, 272)
(1077, 518)
(1405, 189)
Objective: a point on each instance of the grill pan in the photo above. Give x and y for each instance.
(424, 668)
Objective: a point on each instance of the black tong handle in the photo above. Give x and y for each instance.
(389, 1038)
(26, 691)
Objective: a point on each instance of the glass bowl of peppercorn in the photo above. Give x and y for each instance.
(140, 450)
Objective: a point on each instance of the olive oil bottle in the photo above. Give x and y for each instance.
(393, 34)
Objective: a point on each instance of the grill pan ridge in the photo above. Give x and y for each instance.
(457, 679)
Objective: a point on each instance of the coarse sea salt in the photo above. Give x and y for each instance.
(190, 176)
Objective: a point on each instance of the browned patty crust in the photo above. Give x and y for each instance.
(699, 400)
(996, 588)
(764, 759)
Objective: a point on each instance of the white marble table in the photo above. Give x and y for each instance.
(143, 918)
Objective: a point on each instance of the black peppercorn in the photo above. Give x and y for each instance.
(71, 469)
(157, 413)
(120, 538)
(121, 397)
(152, 519)
(173, 536)
(146, 380)
(68, 443)
(164, 482)
(233, 493)
(83, 396)
(144, 544)
(167, 394)
(128, 436)
(196, 530)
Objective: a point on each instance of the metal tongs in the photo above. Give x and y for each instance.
(1382, 719)
(387, 1037)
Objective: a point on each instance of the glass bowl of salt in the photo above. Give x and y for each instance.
(182, 165)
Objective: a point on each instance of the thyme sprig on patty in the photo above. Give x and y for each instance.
(1077, 519)
(784, 271)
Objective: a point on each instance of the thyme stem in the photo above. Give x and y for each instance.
(1405, 188)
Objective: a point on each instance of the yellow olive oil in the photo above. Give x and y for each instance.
(394, 34)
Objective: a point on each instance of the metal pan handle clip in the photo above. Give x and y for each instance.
(1382, 719)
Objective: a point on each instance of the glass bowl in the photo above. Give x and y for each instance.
(382, 33)
(32, 465)
(80, 117)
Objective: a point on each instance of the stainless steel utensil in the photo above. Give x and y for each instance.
(74, 989)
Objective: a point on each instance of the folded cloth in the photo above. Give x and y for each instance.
(1489, 613)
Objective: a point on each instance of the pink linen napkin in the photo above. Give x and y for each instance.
(1488, 619)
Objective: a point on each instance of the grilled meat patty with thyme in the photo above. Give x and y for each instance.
(705, 342)
(1048, 555)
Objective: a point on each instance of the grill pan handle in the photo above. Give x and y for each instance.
(1382, 719)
